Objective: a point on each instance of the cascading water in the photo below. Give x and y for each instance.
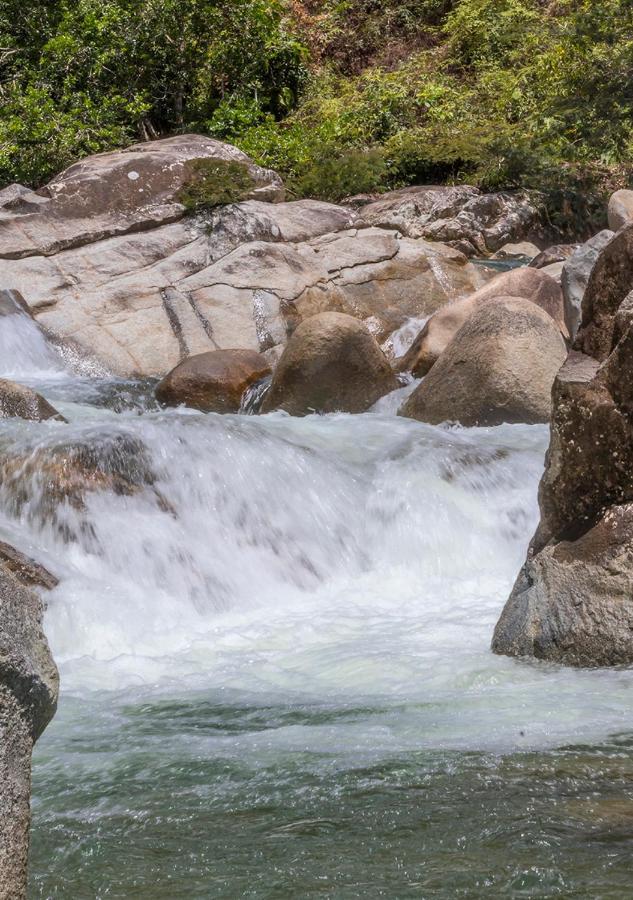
(273, 637)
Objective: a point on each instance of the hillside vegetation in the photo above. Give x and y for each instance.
(341, 96)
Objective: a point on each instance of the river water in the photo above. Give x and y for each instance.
(274, 652)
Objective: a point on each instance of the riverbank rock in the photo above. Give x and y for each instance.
(499, 367)
(575, 275)
(116, 193)
(557, 253)
(441, 328)
(330, 364)
(521, 251)
(475, 223)
(18, 401)
(620, 210)
(28, 698)
(572, 602)
(214, 381)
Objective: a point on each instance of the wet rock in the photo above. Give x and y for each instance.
(28, 698)
(438, 332)
(330, 364)
(572, 602)
(24, 569)
(18, 401)
(499, 367)
(620, 211)
(575, 275)
(214, 381)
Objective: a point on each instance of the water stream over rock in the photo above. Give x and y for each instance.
(273, 637)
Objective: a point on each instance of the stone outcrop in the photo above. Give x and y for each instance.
(499, 367)
(441, 328)
(475, 223)
(572, 602)
(330, 364)
(214, 381)
(575, 275)
(143, 296)
(18, 401)
(620, 211)
(28, 697)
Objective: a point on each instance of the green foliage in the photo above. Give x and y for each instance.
(214, 182)
(338, 176)
(78, 76)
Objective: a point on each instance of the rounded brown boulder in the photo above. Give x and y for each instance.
(529, 284)
(500, 367)
(213, 381)
(330, 364)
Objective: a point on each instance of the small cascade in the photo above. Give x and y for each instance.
(254, 395)
(25, 353)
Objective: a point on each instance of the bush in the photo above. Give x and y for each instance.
(215, 182)
(334, 177)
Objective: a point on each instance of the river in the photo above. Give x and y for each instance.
(275, 664)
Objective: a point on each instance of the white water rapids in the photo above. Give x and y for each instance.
(344, 559)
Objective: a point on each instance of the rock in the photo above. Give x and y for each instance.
(608, 284)
(18, 401)
(620, 211)
(572, 602)
(12, 303)
(556, 254)
(28, 698)
(555, 271)
(521, 250)
(243, 277)
(330, 364)
(214, 381)
(575, 275)
(530, 284)
(462, 216)
(499, 367)
(25, 569)
(117, 193)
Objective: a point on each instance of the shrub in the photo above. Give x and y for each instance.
(215, 182)
(334, 177)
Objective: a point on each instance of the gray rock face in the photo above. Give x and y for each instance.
(18, 401)
(620, 211)
(115, 193)
(441, 328)
(461, 216)
(330, 364)
(28, 697)
(575, 276)
(573, 600)
(499, 367)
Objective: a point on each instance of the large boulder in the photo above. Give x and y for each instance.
(573, 600)
(441, 328)
(557, 253)
(499, 367)
(620, 211)
(476, 223)
(116, 193)
(575, 275)
(28, 697)
(18, 401)
(214, 381)
(243, 277)
(330, 364)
